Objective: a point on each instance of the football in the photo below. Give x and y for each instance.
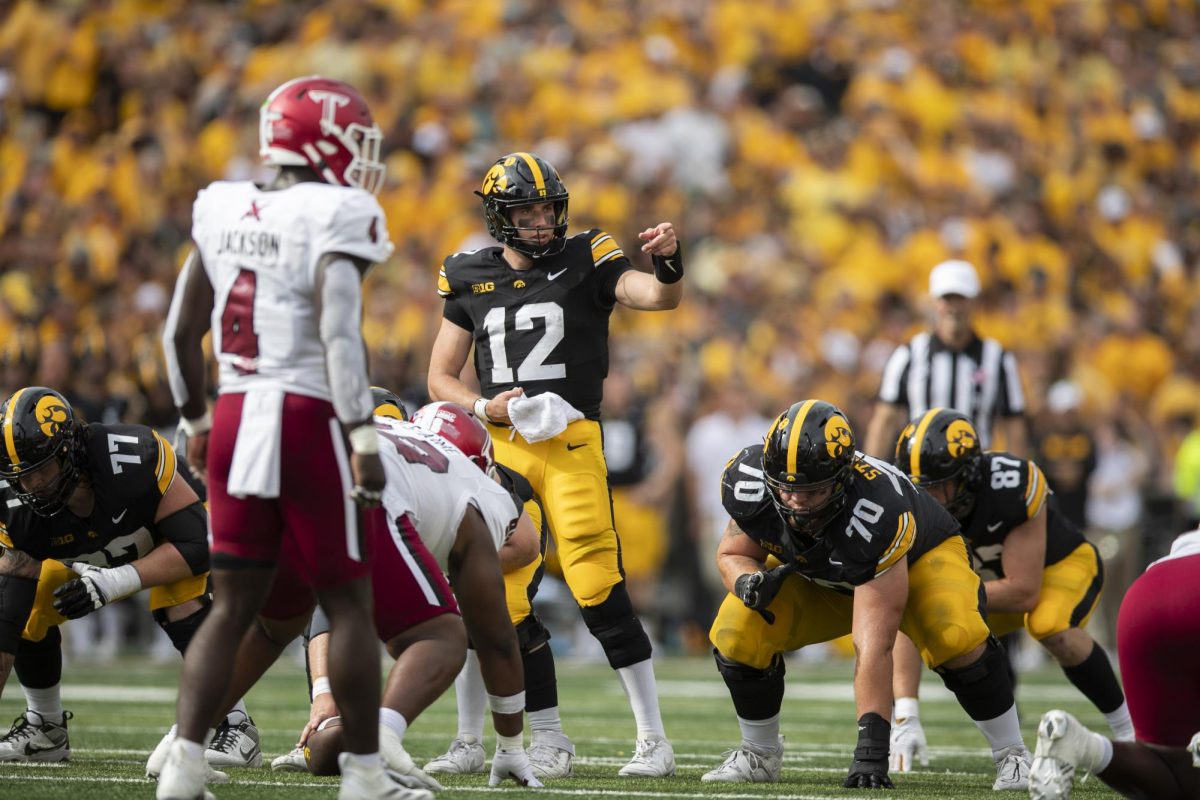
(323, 746)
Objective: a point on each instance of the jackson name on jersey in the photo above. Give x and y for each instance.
(885, 518)
(130, 468)
(544, 329)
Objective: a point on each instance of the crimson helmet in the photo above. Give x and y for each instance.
(39, 427)
(460, 428)
(323, 124)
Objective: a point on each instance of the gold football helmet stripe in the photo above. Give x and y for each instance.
(794, 436)
(1035, 492)
(906, 534)
(539, 180)
(914, 455)
(164, 470)
(9, 441)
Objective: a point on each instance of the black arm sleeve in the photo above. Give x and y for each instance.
(187, 529)
(16, 601)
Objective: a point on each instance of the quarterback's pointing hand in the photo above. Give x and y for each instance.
(659, 240)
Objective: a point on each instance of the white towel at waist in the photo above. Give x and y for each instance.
(541, 417)
(255, 467)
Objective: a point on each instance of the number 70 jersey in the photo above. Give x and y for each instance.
(260, 250)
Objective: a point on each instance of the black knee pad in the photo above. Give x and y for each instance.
(618, 630)
(181, 631)
(39, 664)
(756, 693)
(984, 688)
(541, 680)
(531, 634)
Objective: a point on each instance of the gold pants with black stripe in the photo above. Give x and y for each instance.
(1070, 594)
(570, 475)
(517, 584)
(55, 574)
(943, 616)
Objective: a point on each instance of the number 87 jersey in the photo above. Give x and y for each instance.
(544, 329)
(885, 518)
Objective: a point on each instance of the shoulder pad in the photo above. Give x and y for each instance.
(603, 246)
(450, 273)
(881, 525)
(743, 490)
(357, 226)
(1015, 482)
(135, 459)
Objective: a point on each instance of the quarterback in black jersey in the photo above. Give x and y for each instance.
(89, 514)
(536, 311)
(1038, 571)
(823, 541)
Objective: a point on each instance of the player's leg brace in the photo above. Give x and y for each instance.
(39, 664)
(756, 693)
(541, 682)
(983, 688)
(181, 631)
(617, 628)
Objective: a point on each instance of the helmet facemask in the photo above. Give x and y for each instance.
(810, 522)
(965, 480)
(48, 500)
(499, 218)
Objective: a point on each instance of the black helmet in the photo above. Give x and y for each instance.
(523, 179)
(941, 445)
(38, 426)
(811, 445)
(387, 404)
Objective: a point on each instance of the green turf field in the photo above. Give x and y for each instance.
(121, 711)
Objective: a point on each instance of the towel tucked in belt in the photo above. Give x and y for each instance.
(541, 417)
(255, 467)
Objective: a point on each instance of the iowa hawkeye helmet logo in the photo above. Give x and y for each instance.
(51, 414)
(838, 438)
(961, 439)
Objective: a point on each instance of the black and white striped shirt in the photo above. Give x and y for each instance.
(981, 380)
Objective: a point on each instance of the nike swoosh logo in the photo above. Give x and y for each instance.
(119, 517)
(31, 748)
(995, 527)
(835, 563)
(576, 446)
(670, 262)
(552, 275)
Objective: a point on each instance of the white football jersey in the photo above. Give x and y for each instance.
(260, 249)
(431, 482)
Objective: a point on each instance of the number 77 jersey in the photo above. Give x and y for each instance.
(885, 519)
(545, 328)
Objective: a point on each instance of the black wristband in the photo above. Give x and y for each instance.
(874, 738)
(669, 269)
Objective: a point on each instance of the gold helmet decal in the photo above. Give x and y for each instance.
(960, 438)
(496, 179)
(838, 438)
(50, 414)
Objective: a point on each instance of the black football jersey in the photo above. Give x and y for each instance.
(885, 519)
(545, 328)
(1012, 491)
(130, 468)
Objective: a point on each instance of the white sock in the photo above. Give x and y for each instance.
(192, 750)
(1121, 723)
(46, 702)
(546, 719)
(638, 682)
(365, 761)
(761, 734)
(394, 721)
(1105, 756)
(238, 714)
(1003, 731)
(472, 699)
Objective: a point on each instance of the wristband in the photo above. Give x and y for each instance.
(320, 687)
(669, 269)
(480, 410)
(195, 427)
(364, 440)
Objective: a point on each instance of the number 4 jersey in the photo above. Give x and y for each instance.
(885, 519)
(130, 468)
(261, 249)
(545, 328)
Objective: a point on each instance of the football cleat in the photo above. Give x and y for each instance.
(399, 763)
(748, 764)
(158, 758)
(652, 758)
(291, 762)
(465, 757)
(235, 745)
(372, 783)
(551, 754)
(1064, 746)
(183, 777)
(32, 738)
(1012, 769)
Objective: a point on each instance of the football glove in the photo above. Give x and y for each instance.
(513, 764)
(908, 745)
(94, 588)
(1194, 749)
(869, 770)
(758, 589)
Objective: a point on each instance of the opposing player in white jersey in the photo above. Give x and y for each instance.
(275, 274)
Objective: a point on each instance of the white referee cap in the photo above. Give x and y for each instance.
(954, 277)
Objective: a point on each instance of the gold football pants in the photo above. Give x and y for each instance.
(1070, 593)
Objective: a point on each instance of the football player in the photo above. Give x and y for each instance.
(91, 514)
(290, 450)
(536, 310)
(1038, 570)
(1158, 643)
(825, 541)
(551, 751)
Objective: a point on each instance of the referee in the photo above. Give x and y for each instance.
(951, 366)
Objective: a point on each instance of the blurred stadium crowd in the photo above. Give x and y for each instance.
(819, 157)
